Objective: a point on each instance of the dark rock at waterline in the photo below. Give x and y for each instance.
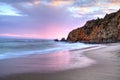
(63, 40)
(56, 40)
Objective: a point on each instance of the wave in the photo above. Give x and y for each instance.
(17, 48)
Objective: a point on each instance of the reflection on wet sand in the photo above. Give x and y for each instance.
(33, 63)
(43, 63)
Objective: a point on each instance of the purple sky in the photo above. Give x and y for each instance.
(50, 18)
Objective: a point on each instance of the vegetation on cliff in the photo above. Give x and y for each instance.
(103, 30)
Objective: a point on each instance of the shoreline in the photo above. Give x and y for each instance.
(106, 68)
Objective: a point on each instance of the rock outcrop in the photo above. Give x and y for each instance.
(105, 30)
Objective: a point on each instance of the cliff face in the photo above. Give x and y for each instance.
(98, 31)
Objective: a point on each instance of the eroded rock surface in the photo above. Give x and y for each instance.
(103, 30)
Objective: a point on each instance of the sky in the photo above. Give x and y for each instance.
(50, 19)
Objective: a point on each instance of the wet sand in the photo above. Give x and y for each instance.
(100, 64)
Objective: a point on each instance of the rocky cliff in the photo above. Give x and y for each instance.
(103, 30)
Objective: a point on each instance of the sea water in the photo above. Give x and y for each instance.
(12, 48)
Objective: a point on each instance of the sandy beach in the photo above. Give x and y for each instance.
(94, 64)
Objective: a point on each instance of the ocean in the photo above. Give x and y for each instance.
(38, 59)
(12, 48)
